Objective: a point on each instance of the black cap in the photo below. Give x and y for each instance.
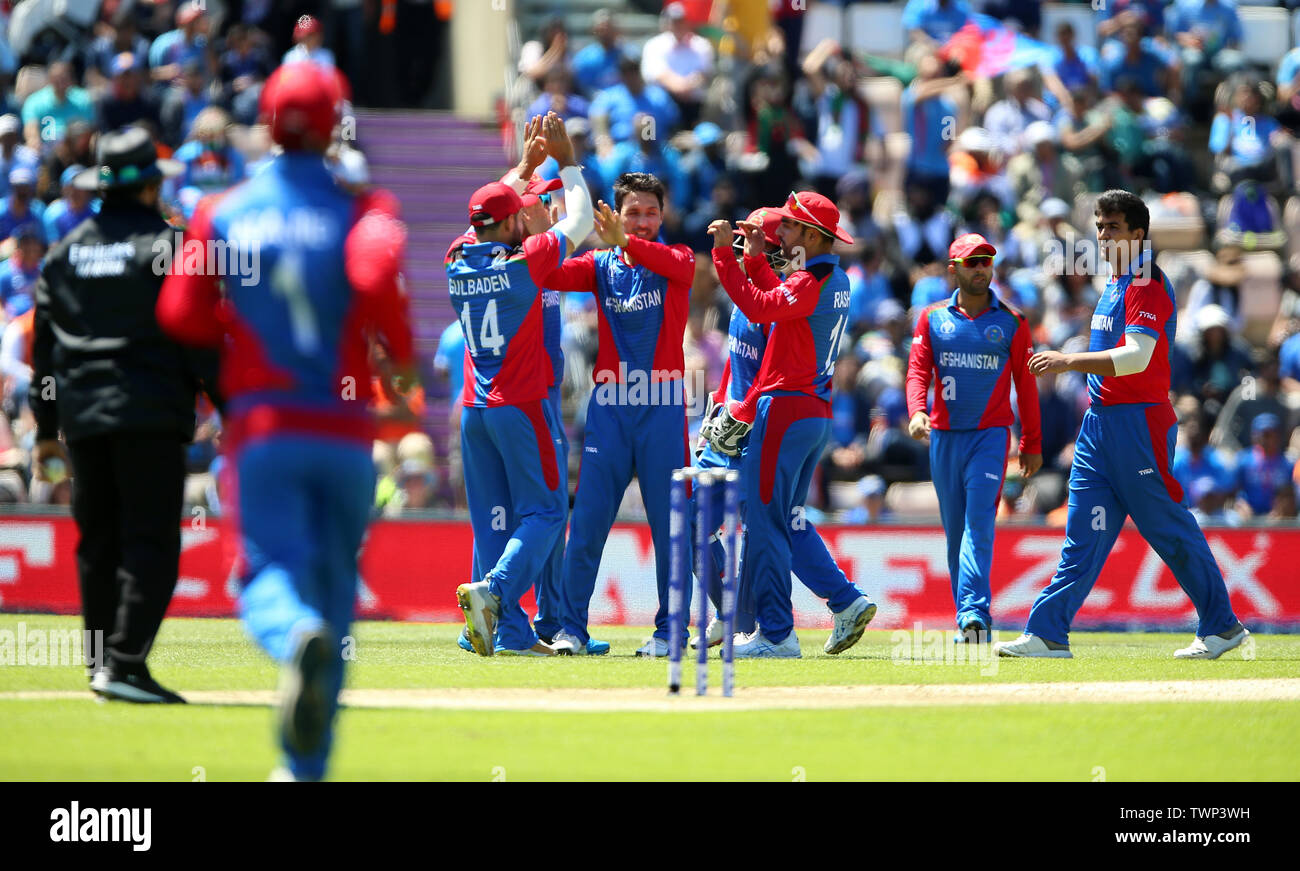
(126, 156)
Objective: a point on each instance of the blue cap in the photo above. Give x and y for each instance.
(70, 173)
(1264, 422)
(707, 133)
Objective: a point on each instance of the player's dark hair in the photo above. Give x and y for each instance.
(637, 182)
(1129, 205)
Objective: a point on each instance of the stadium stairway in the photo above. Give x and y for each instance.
(432, 162)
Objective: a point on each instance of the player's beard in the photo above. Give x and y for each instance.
(974, 287)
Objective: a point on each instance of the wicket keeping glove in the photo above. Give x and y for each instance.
(726, 434)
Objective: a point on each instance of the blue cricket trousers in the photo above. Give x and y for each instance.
(622, 440)
(303, 507)
(810, 561)
(777, 465)
(1122, 463)
(516, 504)
(550, 587)
(968, 467)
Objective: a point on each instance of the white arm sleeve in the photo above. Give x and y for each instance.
(579, 217)
(1134, 355)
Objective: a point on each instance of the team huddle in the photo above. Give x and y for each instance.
(769, 419)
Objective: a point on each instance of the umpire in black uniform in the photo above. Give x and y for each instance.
(124, 395)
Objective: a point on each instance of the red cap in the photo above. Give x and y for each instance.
(306, 26)
(300, 99)
(538, 185)
(814, 210)
(770, 219)
(496, 199)
(969, 244)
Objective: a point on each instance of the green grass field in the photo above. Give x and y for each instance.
(54, 730)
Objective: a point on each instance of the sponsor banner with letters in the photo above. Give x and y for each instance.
(410, 569)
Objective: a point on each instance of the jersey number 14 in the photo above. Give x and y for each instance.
(489, 336)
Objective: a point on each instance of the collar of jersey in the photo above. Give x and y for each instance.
(484, 248)
(952, 303)
(1135, 265)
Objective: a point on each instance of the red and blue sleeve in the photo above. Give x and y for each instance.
(674, 262)
(190, 307)
(577, 274)
(762, 296)
(372, 257)
(1147, 307)
(920, 365)
(1031, 425)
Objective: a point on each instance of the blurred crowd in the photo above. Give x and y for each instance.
(925, 144)
(193, 81)
(916, 146)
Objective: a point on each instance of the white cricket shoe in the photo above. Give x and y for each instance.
(541, 648)
(713, 634)
(757, 646)
(655, 647)
(850, 624)
(481, 609)
(1213, 646)
(1032, 645)
(566, 644)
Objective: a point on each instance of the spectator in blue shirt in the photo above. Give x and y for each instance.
(1134, 58)
(1199, 459)
(244, 68)
(1262, 468)
(930, 118)
(935, 20)
(449, 358)
(183, 103)
(1245, 141)
(1207, 34)
(868, 288)
(595, 68)
(121, 36)
(612, 111)
(171, 51)
(69, 210)
(701, 167)
(211, 163)
(557, 96)
(1289, 364)
(48, 111)
(12, 151)
(650, 154)
(19, 274)
(21, 206)
(1069, 67)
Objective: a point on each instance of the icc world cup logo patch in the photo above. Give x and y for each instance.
(994, 335)
(947, 328)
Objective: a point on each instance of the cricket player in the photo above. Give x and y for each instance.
(1123, 456)
(809, 558)
(295, 368)
(636, 418)
(509, 433)
(787, 411)
(972, 346)
(538, 211)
